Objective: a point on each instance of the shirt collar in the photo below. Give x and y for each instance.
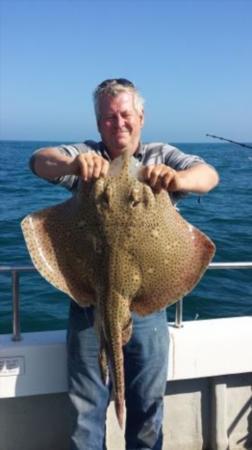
(139, 154)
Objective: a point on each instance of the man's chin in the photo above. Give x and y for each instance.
(121, 145)
(118, 149)
(121, 141)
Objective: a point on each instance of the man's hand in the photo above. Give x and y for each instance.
(90, 166)
(50, 163)
(200, 178)
(160, 176)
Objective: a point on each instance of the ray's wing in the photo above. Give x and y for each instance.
(61, 250)
(178, 257)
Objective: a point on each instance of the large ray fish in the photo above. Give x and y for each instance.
(120, 247)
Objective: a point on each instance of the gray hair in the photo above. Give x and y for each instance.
(114, 88)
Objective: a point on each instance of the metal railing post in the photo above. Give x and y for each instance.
(15, 305)
(179, 314)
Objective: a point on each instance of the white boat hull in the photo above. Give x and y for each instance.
(207, 404)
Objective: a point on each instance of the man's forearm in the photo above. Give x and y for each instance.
(199, 179)
(50, 163)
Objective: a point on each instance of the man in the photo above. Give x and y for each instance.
(120, 118)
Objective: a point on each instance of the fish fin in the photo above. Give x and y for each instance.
(169, 289)
(103, 362)
(103, 355)
(127, 332)
(50, 236)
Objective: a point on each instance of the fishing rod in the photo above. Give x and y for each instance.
(229, 140)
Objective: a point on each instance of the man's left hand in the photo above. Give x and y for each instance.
(160, 176)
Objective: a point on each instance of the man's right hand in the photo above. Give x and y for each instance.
(90, 166)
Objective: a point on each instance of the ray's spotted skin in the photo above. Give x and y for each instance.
(121, 247)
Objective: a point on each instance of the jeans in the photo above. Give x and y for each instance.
(145, 361)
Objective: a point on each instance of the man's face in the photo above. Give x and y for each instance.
(119, 124)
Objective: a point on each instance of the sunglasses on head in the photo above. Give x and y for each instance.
(122, 81)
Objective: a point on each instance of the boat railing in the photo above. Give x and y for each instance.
(15, 272)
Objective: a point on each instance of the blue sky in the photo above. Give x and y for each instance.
(191, 60)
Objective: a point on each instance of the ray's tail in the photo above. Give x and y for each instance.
(116, 371)
(117, 374)
(111, 363)
(116, 317)
(119, 408)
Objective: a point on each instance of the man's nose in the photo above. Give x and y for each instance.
(119, 121)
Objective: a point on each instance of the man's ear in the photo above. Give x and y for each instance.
(142, 119)
(98, 125)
